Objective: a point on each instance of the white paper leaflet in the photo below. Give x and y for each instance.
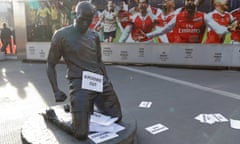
(102, 119)
(235, 124)
(102, 136)
(157, 128)
(211, 118)
(104, 127)
(92, 81)
(114, 128)
(145, 104)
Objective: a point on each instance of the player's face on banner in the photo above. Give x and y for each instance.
(142, 4)
(121, 5)
(190, 5)
(224, 5)
(167, 4)
(110, 6)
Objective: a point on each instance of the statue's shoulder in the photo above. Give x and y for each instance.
(92, 33)
(65, 30)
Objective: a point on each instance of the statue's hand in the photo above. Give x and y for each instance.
(60, 96)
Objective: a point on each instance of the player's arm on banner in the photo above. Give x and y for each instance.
(125, 33)
(167, 28)
(119, 25)
(100, 22)
(219, 29)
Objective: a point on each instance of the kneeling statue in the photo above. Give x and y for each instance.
(81, 51)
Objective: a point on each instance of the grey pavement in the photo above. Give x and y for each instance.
(177, 96)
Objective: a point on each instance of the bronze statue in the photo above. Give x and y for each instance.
(81, 51)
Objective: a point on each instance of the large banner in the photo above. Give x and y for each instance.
(138, 32)
(142, 21)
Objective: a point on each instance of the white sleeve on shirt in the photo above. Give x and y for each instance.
(125, 34)
(219, 29)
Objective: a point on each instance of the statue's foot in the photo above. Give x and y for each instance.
(51, 116)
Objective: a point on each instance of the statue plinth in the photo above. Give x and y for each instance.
(37, 130)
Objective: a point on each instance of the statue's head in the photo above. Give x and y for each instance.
(84, 15)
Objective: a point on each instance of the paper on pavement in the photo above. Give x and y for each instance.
(102, 119)
(94, 127)
(157, 128)
(102, 136)
(145, 104)
(211, 118)
(235, 124)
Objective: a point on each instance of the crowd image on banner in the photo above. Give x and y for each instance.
(143, 21)
(7, 43)
(7, 32)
